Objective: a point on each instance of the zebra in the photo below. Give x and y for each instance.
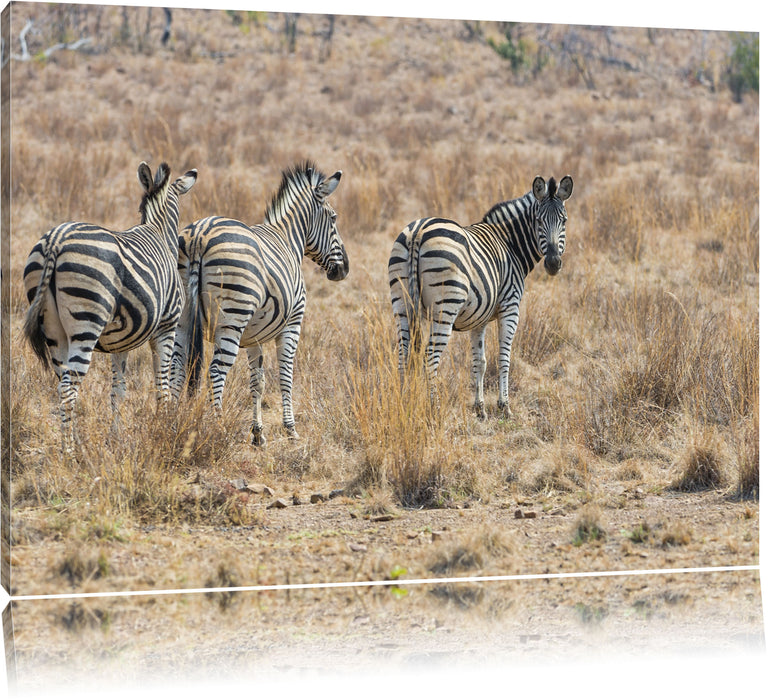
(91, 289)
(463, 277)
(245, 287)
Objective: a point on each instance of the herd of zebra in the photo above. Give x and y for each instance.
(91, 289)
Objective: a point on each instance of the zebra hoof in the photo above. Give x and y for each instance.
(479, 409)
(257, 437)
(291, 433)
(506, 412)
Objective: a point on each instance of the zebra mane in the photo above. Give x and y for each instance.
(302, 175)
(501, 211)
(160, 180)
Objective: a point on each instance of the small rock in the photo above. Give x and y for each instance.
(356, 547)
(385, 517)
(278, 503)
(336, 492)
(519, 514)
(435, 535)
(261, 489)
(296, 500)
(240, 484)
(317, 498)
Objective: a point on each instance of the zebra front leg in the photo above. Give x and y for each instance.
(507, 325)
(286, 344)
(118, 388)
(258, 383)
(479, 364)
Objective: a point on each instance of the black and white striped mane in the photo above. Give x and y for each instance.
(502, 211)
(301, 176)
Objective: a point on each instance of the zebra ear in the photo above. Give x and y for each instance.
(328, 186)
(162, 174)
(185, 182)
(539, 188)
(145, 177)
(565, 187)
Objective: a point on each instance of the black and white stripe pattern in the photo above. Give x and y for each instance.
(91, 289)
(462, 277)
(245, 286)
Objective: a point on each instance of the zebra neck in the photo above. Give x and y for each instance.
(514, 221)
(291, 220)
(162, 213)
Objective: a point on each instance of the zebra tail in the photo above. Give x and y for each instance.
(33, 321)
(413, 293)
(194, 334)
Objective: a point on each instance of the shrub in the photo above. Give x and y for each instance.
(743, 68)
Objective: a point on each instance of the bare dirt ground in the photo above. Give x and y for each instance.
(451, 622)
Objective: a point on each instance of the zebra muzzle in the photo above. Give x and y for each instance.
(338, 271)
(552, 263)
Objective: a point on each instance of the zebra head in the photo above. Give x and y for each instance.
(324, 245)
(551, 219)
(159, 206)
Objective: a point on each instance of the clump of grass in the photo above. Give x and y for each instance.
(592, 615)
(405, 436)
(470, 554)
(225, 577)
(701, 468)
(77, 567)
(747, 452)
(639, 534)
(564, 468)
(587, 527)
(81, 616)
(676, 534)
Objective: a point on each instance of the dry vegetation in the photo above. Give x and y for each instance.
(635, 388)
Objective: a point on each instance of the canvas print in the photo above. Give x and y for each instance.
(335, 343)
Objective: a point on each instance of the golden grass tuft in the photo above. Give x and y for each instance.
(588, 527)
(701, 465)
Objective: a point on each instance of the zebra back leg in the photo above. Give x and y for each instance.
(258, 384)
(479, 364)
(69, 383)
(286, 344)
(437, 343)
(118, 388)
(161, 352)
(71, 339)
(507, 325)
(226, 346)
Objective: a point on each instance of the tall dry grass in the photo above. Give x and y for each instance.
(645, 346)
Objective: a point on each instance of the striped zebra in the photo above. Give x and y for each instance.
(91, 289)
(462, 277)
(245, 286)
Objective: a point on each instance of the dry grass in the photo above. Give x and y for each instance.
(638, 363)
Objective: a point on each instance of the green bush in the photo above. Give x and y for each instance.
(743, 67)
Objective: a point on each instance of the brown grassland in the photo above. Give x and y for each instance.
(634, 443)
